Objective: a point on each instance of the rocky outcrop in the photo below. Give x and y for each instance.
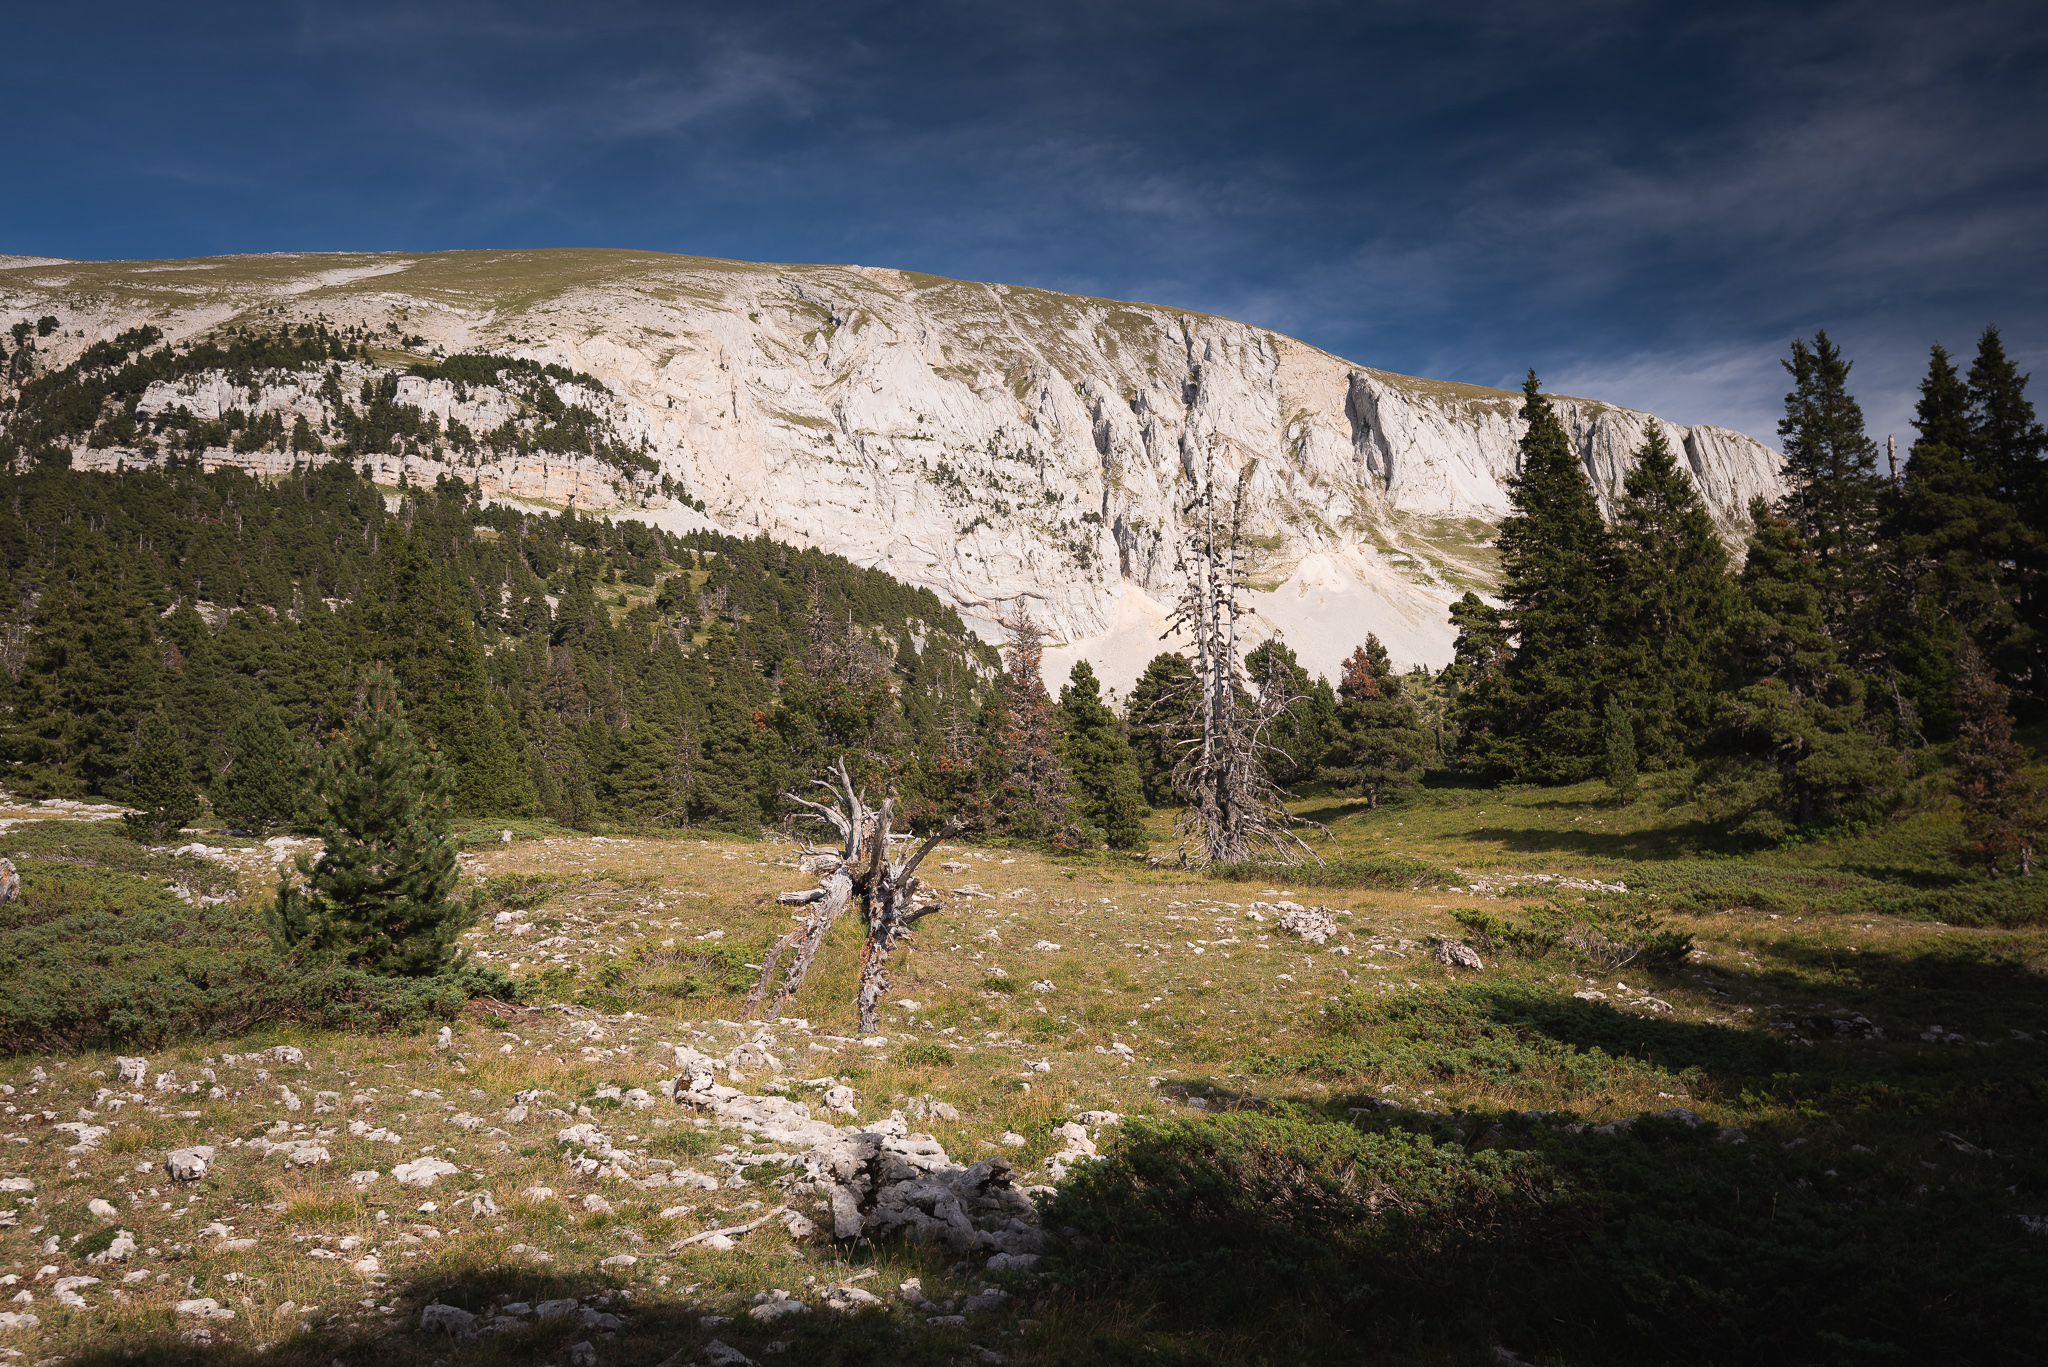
(1018, 451)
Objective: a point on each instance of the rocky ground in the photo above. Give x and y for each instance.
(629, 1173)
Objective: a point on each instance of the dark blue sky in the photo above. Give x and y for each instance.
(1645, 202)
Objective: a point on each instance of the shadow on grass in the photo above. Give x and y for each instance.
(648, 1326)
(1851, 1226)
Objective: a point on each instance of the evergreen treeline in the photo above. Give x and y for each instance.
(1811, 677)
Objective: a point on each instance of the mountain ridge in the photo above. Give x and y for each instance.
(1019, 451)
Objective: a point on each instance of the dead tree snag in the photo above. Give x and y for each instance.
(1234, 812)
(860, 869)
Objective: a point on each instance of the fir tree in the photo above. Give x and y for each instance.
(380, 895)
(259, 787)
(1110, 795)
(1831, 470)
(1542, 716)
(1671, 596)
(2002, 804)
(1618, 765)
(159, 781)
(1378, 745)
(1161, 718)
(1470, 680)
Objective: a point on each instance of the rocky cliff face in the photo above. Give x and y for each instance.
(1020, 452)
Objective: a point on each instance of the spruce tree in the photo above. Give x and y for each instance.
(1470, 681)
(1378, 745)
(159, 781)
(1831, 473)
(1671, 595)
(1544, 724)
(1110, 794)
(380, 897)
(2002, 804)
(258, 789)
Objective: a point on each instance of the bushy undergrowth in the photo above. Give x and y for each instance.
(1662, 1245)
(97, 957)
(1716, 885)
(1608, 931)
(1393, 873)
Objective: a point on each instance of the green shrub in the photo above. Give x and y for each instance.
(925, 1054)
(995, 984)
(95, 958)
(1497, 936)
(1395, 872)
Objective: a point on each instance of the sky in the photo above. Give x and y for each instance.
(1644, 202)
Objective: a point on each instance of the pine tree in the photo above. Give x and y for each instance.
(259, 788)
(2013, 448)
(1160, 717)
(411, 618)
(1470, 681)
(1298, 734)
(1618, 766)
(1110, 795)
(1954, 543)
(1831, 471)
(2002, 804)
(380, 895)
(1542, 716)
(1671, 595)
(1024, 787)
(159, 781)
(1795, 726)
(1378, 745)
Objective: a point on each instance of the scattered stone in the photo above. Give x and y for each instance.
(1100, 1118)
(880, 1183)
(1012, 1262)
(618, 1260)
(203, 1308)
(1315, 925)
(718, 1354)
(1013, 1139)
(445, 1039)
(131, 1070)
(582, 1354)
(597, 1205)
(849, 1300)
(995, 1298)
(770, 1306)
(119, 1251)
(423, 1172)
(17, 1319)
(537, 1194)
(451, 1320)
(189, 1165)
(1455, 954)
(102, 1210)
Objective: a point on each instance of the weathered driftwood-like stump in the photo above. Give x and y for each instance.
(886, 890)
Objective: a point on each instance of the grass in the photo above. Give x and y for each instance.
(1260, 1201)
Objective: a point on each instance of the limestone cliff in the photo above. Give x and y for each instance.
(1018, 451)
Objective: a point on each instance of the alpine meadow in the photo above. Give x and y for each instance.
(606, 809)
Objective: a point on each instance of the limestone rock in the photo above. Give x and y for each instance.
(879, 1184)
(1313, 924)
(423, 1172)
(1456, 954)
(876, 414)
